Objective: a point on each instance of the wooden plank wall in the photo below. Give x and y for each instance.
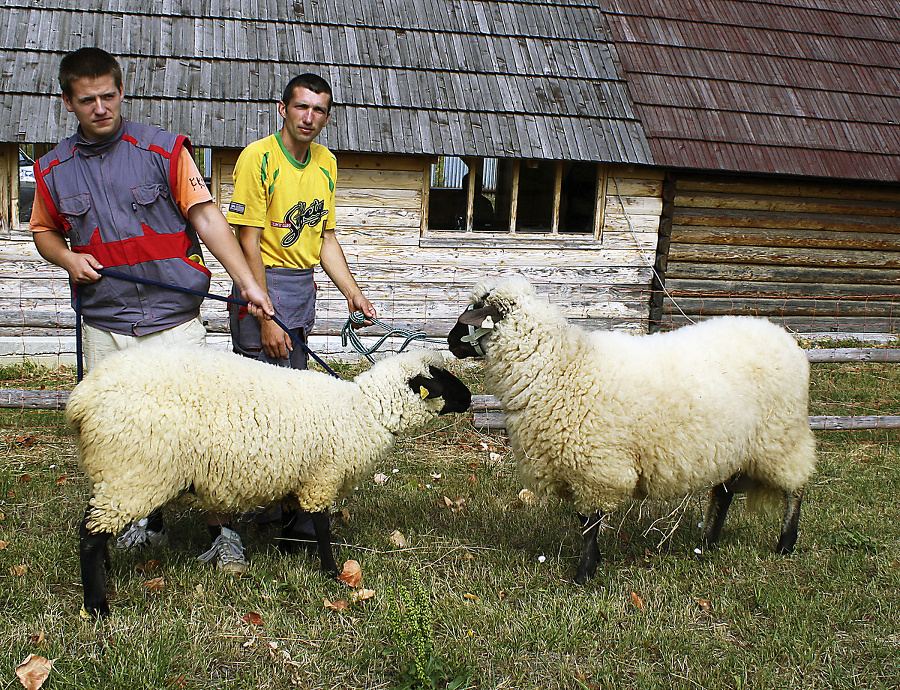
(416, 279)
(420, 280)
(816, 258)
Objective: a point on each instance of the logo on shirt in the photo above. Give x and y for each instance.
(235, 207)
(299, 217)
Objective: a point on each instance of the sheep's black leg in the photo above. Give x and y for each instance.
(94, 558)
(297, 530)
(590, 553)
(790, 521)
(719, 502)
(322, 525)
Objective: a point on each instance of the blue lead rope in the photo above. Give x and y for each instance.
(146, 281)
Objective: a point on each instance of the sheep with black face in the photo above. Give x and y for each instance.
(598, 417)
(229, 434)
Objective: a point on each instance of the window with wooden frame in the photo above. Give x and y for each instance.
(522, 198)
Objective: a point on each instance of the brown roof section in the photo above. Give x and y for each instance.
(798, 87)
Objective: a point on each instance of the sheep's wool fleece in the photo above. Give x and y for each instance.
(231, 433)
(598, 416)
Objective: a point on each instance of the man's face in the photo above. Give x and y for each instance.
(305, 116)
(97, 104)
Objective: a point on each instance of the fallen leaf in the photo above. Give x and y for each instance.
(362, 595)
(33, 671)
(253, 618)
(25, 478)
(895, 563)
(336, 605)
(345, 515)
(527, 497)
(472, 479)
(19, 570)
(157, 584)
(397, 539)
(176, 682)
(637, 601)
(704, 604)
(454, 506)
(37, 639)
(351, 574)
(61, 480)
(148, 567)
(470, 597)
(494, 458)
(435, 475)
(380, 479)
(3, 545)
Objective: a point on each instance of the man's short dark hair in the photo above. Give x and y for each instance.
(313, 82)
(88, 62)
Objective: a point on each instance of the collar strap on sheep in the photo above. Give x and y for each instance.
(177, 288)
(357, 318)
(476, 334)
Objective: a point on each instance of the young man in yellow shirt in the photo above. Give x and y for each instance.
(283, 211)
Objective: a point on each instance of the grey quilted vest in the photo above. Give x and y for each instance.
(114, 201)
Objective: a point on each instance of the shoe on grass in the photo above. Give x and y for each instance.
(229, 552)
(137, 536)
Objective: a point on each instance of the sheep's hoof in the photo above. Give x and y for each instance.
(582, 576)
(100, 611)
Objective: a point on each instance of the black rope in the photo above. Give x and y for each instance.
(109, 273)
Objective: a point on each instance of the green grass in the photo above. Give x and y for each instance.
(656, 615)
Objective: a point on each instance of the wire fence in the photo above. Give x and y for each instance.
(855, 371)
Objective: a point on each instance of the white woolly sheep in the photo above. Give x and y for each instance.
(228, 434)
(596, 417)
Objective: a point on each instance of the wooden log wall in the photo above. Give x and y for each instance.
(420, 279)
(417, 279)
(816, 258)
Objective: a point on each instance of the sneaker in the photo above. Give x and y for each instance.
(229, 550)
(137, 536)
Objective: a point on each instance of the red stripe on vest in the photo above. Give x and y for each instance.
(152, 246)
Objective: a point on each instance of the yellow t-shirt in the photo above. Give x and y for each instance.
(292, 201)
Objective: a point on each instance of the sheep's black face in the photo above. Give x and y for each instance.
(442, 384)
(474, 325)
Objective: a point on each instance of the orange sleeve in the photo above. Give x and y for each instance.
(190, 189)
(41, 220)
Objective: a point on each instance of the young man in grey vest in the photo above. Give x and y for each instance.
(117, 194)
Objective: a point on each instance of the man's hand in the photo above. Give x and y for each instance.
(82, 268)
(258, 302)
(359, 303)
(275, 341)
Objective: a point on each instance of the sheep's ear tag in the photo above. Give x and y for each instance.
(423, 392)
(488, 323)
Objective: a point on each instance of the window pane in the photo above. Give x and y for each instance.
(536, 186)
(578, 198)
(447, 199)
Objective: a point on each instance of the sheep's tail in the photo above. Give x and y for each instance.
(765, 500)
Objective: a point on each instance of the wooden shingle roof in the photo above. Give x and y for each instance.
(506, 78)
(803, 87)
(793, 87)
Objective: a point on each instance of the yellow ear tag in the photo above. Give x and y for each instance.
(488, 323)
(423, 392)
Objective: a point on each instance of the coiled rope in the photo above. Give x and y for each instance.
(357, 318)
